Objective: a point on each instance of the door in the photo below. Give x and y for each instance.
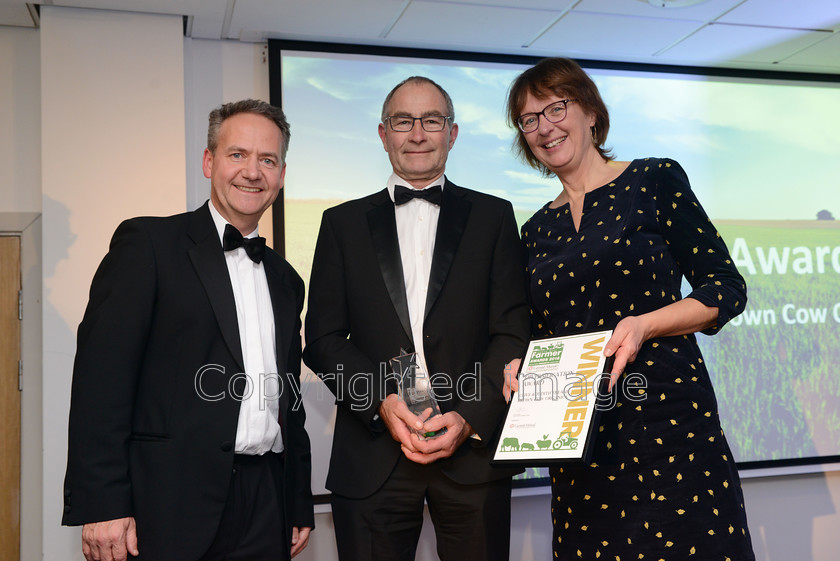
(9, 397)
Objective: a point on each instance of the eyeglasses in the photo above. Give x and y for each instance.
(554, 113)
(404, 123)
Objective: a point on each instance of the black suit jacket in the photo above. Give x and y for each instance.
(152, 420)
(476, 319)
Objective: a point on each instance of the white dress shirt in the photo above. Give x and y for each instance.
(416, 229)
(258, 428)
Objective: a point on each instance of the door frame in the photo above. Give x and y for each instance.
(27, 225)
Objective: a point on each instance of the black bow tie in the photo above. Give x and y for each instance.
(404, 194)
(254, 247)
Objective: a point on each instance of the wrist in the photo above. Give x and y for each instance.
(646, 325)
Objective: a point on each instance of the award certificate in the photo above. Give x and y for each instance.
(553, 417)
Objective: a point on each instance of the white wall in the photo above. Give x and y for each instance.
(20, 120)
(794, 516)
(123, 100)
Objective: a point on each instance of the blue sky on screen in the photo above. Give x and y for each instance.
(752, 150)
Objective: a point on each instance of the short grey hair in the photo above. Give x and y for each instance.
(255, 106)
(450, 108)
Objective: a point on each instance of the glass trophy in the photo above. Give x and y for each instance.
(415, 389)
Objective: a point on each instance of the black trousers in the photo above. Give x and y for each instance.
(472, 522)
(252, 526)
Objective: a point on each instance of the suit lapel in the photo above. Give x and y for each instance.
(383, 231)
(284, 307)
(454, 211)
(209, 261)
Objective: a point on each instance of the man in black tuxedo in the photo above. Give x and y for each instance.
(186, 435)
(428, 266)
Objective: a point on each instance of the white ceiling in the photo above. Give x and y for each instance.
(782, 35)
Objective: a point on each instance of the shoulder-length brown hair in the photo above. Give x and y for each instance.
(562, 77)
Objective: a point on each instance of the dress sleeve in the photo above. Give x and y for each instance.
(696, 245)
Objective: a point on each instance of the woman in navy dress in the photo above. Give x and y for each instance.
(610, 253)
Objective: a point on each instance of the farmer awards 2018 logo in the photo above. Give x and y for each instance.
(545, 356)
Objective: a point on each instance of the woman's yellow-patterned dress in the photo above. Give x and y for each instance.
(662, 484)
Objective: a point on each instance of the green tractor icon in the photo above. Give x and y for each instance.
(565, 441)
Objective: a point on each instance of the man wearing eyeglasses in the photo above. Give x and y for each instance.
(430, 267)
